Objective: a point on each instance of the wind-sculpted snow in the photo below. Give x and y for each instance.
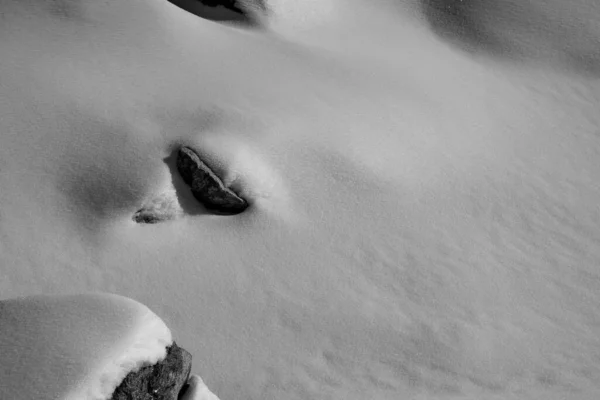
(551, 34)
(424, 221)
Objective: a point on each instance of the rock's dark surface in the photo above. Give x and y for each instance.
(244, 11)
(162, 381)
(144, 216)
(206, 186)
(233, 5)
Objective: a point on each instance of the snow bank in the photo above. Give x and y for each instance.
(425, 221)
(76, 347)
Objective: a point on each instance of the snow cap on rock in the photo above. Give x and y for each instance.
(75, 347)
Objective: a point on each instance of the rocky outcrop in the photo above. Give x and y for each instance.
(206, 186)
(164, 380)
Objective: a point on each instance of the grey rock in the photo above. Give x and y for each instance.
(144, 216)
(162, 381)
(206, 186)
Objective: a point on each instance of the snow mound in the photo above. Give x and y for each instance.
(75, 347)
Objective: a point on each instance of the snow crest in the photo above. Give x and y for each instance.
(76, 347)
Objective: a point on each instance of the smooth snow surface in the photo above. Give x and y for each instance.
(77, 347)
(424, 220)
(197, 390)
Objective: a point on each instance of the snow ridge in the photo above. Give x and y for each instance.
(80, 346)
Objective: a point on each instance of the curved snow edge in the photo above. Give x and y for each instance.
(147, 345)
(75, 347)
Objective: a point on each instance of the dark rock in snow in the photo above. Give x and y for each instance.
(206, 186)
(241, 11)
(163, 381)
(144, 216)
(239, 6)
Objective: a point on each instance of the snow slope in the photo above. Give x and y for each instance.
(75, 347)
(424, 220)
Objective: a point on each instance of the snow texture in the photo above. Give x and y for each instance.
(198, 390)
(77, 347)
(424, 219)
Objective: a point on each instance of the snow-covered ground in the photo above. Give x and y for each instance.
(424, 219)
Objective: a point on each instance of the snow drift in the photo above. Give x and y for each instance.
(424, 224)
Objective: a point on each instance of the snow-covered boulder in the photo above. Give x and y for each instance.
(163, 380)
(89, 347)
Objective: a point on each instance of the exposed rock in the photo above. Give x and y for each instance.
(144, 216)
(240, 11)
(239, 6)
(206, 186)
(163, 380)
